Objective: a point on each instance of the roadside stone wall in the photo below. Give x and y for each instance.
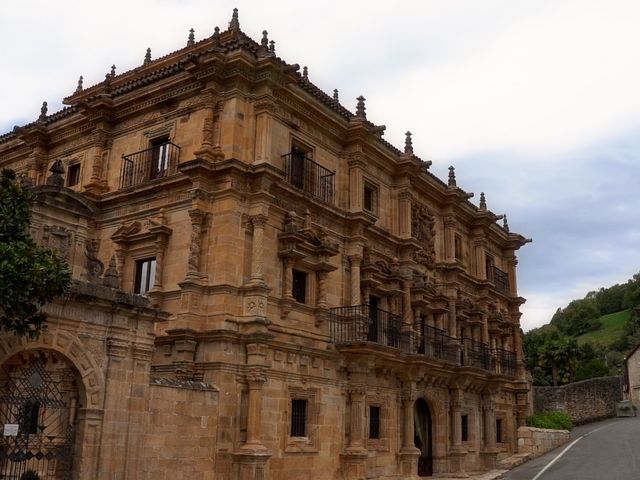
(584, 401)
(537, 441)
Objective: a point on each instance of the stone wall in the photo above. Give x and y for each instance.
(537, 441)
(585, 401)
(179, 437)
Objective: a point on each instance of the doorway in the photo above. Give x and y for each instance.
(423, 437)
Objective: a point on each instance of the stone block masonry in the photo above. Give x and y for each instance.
(584, 401)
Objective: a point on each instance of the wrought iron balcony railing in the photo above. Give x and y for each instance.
(476, 354)
(155, 162)
(365, 324)
(499, 279)
(435, 343)
(309, 176)
(505, 362)
(360, 324)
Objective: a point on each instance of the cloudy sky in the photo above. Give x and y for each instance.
(534, 102)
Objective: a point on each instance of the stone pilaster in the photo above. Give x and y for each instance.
(195, 248)
(404, 215)
(258, 223)
(355, 260)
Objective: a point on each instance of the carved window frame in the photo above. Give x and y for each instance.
(311, 442)
(380, 444)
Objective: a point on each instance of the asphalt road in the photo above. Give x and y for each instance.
(607, 450)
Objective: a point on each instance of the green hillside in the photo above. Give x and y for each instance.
(611, 329)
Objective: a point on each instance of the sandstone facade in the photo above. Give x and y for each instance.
(264, 287)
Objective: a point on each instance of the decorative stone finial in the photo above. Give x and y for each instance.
(452, 177)
(265, 40)
(360, 108)
(147, 57)
(305, 73)
(43, 111)
(110, 277)
(505, 224)
(272, 47)
(113, 71)
(216, 36)
(336, 98)
(56, 178)
(191, 39)
(408, 143)
(234, 24)
(483, 201)
(79, 87)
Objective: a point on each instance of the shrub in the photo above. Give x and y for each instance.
(553, 420)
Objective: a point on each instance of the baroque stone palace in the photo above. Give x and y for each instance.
(264, 288)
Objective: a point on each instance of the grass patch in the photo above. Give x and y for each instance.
(611, 329)
(554, 420)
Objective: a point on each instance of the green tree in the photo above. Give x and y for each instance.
(560, 356)
(632, 292)
(30, 275)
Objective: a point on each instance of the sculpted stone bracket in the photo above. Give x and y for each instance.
(303, 241)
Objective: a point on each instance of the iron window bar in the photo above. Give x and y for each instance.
(158, 161)
(309, 176)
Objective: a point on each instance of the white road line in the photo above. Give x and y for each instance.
(566, 449)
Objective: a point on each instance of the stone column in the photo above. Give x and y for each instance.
(263, 134)
(485, 329)
(458, 453)
(452, 327)
(479, 246)
(404, 217)
(408, 452)
(161, 245)
(512, 263)
(256, 377)
(356, 439)
(355, 279)
(356, 181)
(288, 279)
(257, 251)
(449, 238)
(407, 312)
(322, 289)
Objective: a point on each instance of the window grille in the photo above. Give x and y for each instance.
(298, 418)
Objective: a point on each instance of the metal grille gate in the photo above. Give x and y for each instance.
(35, 403)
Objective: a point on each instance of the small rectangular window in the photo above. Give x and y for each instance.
(498, 430)
(73, 174)
(145, 275)
(370, 199)
(298, 417)
(464, 421)
(458, 247)
(299, 287)
(374, 422)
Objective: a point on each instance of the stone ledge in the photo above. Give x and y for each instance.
(183, 384)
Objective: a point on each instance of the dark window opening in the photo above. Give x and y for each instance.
(73, 175)
(298, 418)
(299, 290)
(458, 247)
(464, 421)
(489, 263)
(299, 154)
(374, 322)
(498, 430)
(145, 275)
(30, 415)
(374, 422)
(159, 157)
(369, 198)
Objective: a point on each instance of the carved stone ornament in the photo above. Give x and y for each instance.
(59, 239)
(423, 230)
(94, 266)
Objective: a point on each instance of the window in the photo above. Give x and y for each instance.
(299, 169)
(298, 417)
(299, 287)
(145, 275)
(458, 247)
(374, 422)
(489, 263)
(498, 430)
(159, 157)
(370, 198)
(73, 174)
(30, 413)
(464, 421)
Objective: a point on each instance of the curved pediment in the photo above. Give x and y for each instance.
(66, 199)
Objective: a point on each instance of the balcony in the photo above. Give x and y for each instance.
(310, 177)
(476, 354)
(365, 324)
(156, 162)
(499, 279)
(435, 343)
